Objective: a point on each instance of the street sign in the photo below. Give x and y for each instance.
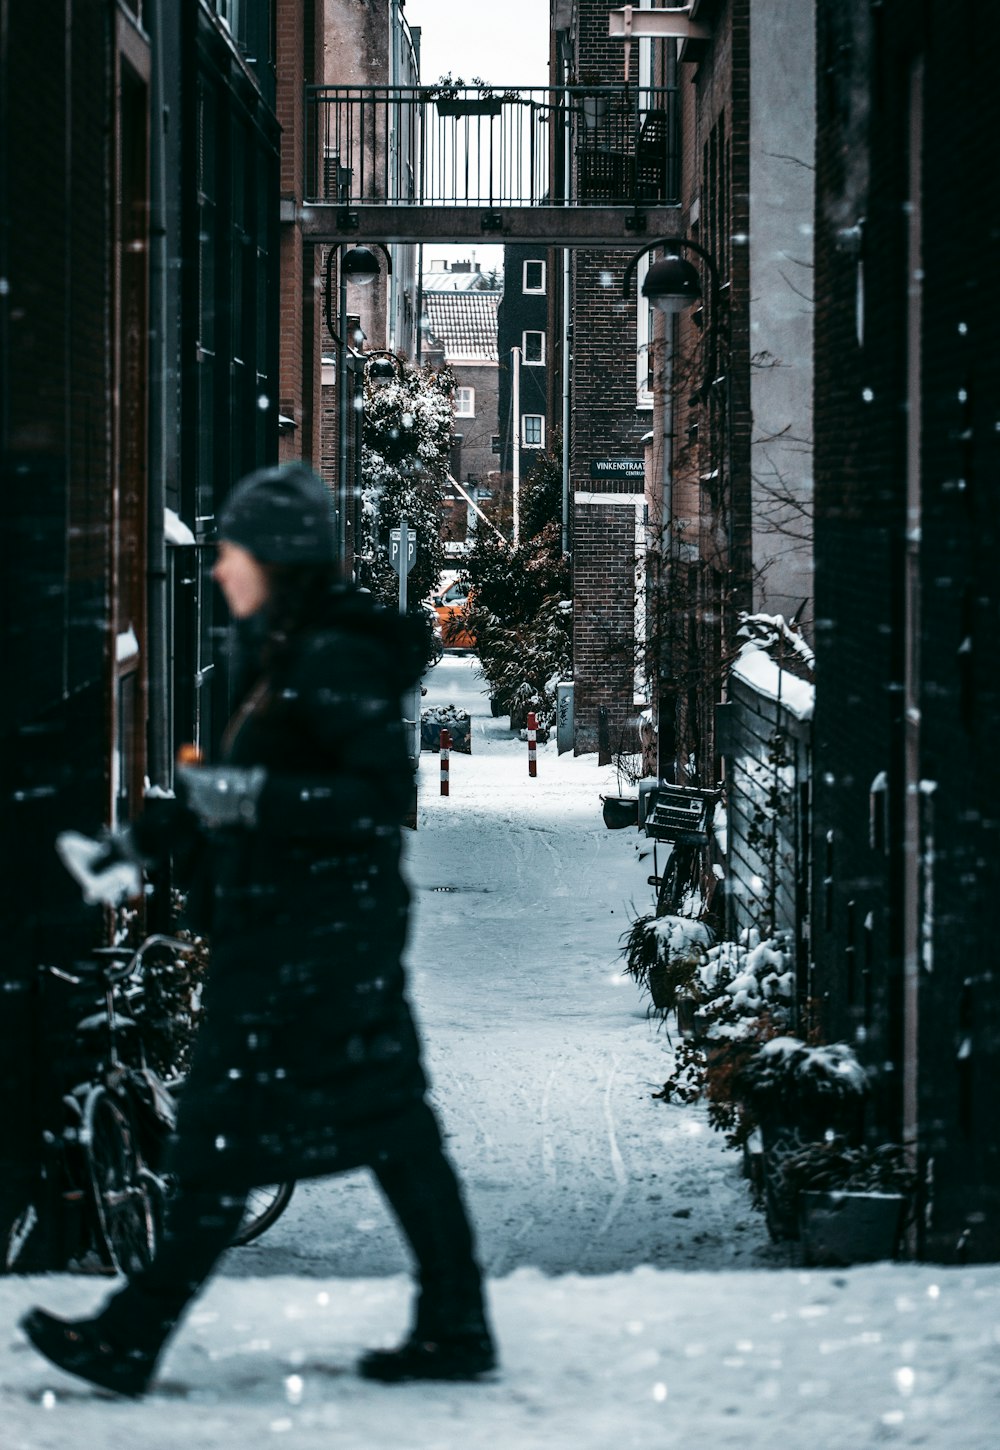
(395, 552)
(632, 468)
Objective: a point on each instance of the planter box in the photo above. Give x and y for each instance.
(780, 1206)
(459, 730)
(686, 1010)
(460, 107)
(620, 810)
(849, 1228)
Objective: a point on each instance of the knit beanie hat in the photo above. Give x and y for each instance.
(281, 515)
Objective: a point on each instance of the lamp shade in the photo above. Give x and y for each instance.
(672, 285)
(381, 370)
(360, 264)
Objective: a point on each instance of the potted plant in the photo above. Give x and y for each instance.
(457, 722)
(797, 1094)
(814, 1089)
(664, 954)
(449, 103)
(623, 809)
(851, 1200)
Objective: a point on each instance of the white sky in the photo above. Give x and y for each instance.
(506, 44)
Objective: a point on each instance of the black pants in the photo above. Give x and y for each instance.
(422, 1192)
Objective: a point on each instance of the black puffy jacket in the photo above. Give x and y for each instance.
(308, 1060)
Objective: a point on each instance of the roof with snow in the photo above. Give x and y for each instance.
(465, 322)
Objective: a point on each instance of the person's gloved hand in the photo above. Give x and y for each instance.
(108, 870)
(222, 795)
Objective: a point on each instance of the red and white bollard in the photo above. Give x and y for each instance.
(445, 760)
(532, 738)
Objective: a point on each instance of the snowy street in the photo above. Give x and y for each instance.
(636, 1296)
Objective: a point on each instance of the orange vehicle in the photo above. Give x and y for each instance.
(449, 606)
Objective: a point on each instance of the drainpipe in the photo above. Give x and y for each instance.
(515, 358)
(667, 550)
(566, 331)
(565, 398)
(157, 662)
(342, 489)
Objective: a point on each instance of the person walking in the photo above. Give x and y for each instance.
(308, 1062)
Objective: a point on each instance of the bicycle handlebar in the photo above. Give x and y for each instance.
(114, 974)
(115, 970)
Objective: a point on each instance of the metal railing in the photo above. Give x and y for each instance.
(615, 145)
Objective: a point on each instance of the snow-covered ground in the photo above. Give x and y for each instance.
(636, 1297)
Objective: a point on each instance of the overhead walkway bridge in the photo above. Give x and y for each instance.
(570, 166)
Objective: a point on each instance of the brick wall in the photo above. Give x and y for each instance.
(603, 619)
(299, 34)
(605, 424)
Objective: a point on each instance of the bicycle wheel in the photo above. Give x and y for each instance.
(264, 1207)
(667, 893)
(123, 1192)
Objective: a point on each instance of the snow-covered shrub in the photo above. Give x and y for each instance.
(744, 992)
(521, 616)
(789, 1077)
(664, 954)
(739, 982)
(405, 459)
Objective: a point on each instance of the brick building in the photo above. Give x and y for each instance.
(525, 323)
(463, 325)
(611, 418)
(906, 791)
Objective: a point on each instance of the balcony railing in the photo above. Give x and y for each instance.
(615, 145)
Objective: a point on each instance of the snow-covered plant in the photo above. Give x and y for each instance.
(521, 616)
(741, 981)
(787, 1075)
(405, 460)
(664, 954)
(744, 992)
(445, 715)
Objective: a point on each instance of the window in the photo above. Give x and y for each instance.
(465, 402)
(533, 348)
(532, 430)
(534, 277)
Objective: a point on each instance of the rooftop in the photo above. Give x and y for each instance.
(465, 323)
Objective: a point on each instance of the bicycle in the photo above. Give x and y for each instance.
(118, 1122)
(682, 817)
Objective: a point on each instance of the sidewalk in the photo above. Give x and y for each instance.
(636, 1297)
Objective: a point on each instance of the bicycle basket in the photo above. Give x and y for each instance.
(682, 815)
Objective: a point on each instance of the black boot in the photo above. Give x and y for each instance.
(81, 1347)
(464, 1354)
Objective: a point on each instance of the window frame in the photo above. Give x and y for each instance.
(532, 362)
(459, 411)
(532, 291)
(541, 430)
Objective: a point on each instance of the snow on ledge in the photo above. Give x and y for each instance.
(756, 668)
(126, 646)
(175, 530)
